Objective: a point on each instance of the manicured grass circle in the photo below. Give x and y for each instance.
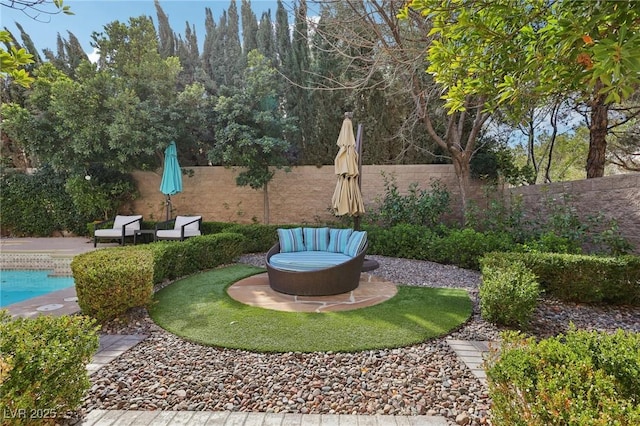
(198, 309)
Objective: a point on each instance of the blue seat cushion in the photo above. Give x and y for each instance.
(356, 242)
(316, 239)
(338, 239)
(291, 240)
(307, 260)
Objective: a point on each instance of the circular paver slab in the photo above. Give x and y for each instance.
(50, 307)
(255, 291)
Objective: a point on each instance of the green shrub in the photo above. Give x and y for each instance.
(259, 237)
(582, 378)
(417, 207)
(214, 227)
(99, 194)
(556, 227)
(210, 251)
(581, 278)
(169, 261)
(402, 240)
(549, 242)
(43, 366)
(494, 214)
(508, 293)
(37, 204)
(111, 281)
(465, 247)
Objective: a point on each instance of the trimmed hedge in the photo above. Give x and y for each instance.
(43, 366)
(508, 293)
(581, 378)
(461, 247)
(259, 238)
(581, 278)
(111, 281)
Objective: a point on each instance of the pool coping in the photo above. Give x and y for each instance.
(57, 303)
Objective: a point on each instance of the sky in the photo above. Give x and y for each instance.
(93, 15)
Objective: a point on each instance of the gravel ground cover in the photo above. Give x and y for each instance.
(167, 373)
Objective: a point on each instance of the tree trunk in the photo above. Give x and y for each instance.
(461, 165)
(597, 137)
(265, 200)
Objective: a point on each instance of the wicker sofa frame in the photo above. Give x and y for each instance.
(338, 279)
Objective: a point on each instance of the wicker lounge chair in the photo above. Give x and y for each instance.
(338, 279)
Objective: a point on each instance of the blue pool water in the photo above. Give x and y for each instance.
(20, 285)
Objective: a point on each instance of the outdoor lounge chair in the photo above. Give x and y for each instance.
(310, 269)
(183, 227)
(121, 227)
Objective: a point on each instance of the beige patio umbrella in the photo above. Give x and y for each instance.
(347, 197)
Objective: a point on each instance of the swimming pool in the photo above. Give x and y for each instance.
(19, 285)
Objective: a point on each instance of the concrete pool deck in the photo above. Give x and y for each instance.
(63, 246)
(16, 253)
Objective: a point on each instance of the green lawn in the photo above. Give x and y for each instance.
(198, 308)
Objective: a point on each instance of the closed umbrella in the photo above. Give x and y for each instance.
(171, 183)
(347, 197)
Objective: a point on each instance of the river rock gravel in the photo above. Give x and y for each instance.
(165, 372)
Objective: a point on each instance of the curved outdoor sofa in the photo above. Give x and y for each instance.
(315, 272)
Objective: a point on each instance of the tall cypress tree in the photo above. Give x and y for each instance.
(265, 38)
(283, 41)
(69, 55)
(188, 53)
(28, 45)
(217, 58)
(167, 39)
(74, 54)
(208, 52)
(249, 28)
(234, 63)
(329, 104)
(299, 102)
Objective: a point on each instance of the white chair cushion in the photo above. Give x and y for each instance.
(181, 220)
(121, 220)
(175, 233)
(114, 233)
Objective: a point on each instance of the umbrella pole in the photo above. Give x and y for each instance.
(356, 219)
(168, 204)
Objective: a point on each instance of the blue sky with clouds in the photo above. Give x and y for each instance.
(93, 15)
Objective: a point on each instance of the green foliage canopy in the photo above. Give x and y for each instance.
(252, 125)
(510, 50)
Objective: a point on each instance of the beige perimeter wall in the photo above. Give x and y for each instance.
(614, 197)
(300, 196)
(304, 195)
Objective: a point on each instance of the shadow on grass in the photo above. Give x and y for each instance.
(198, 309)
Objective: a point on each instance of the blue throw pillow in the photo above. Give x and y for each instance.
(338, 239)
(356, 242)
(290, 240)
(316, 239)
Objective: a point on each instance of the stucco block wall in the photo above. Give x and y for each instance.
(302, 195)
(614, 197)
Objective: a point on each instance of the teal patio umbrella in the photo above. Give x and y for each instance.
(171, 183)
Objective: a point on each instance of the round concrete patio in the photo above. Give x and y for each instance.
(255, 291)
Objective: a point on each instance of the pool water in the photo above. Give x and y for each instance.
(19, 285)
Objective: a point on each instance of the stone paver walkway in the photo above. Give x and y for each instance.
(473, 354)
(112, 346)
